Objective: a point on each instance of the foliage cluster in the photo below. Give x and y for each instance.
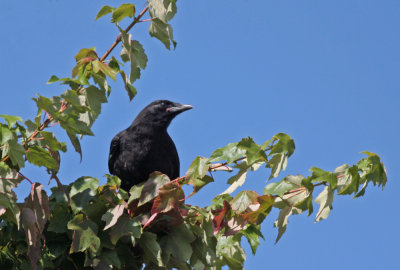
(83, 225)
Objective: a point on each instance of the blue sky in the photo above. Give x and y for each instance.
(325, 72)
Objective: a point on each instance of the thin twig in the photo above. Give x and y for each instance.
(29, 180)
(118, 39)
(147, 20)
(64, 105)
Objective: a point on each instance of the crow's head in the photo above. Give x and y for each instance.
(160, 113)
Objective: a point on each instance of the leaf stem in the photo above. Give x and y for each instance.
(29, 180)
(118, 39)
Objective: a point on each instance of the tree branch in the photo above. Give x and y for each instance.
(64, 105)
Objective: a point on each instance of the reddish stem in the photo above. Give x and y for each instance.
(29, 180)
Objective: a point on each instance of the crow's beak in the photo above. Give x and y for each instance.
(178, 108)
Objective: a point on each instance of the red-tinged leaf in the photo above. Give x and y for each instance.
(169, 196)
(35, 214)
(125, 226)
(151, 219)
(151, 186)
(86, 52)
(235, 225)
(260, 209)
(32, 235)
(39, 203)
(220, 217)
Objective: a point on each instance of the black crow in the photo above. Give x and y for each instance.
(145, 146)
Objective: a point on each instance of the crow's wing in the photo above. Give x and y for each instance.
(114, 152)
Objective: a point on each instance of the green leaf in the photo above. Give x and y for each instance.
(372, 171)
(320, 175)
(285, 144)
(51, 106)
(101, 81)
(104, 11)
(200, 183)
(40, 157)
(16, 153)
(52, 142)
(9, 179)
(82, 191)
(177, 243)
(281, 187)
(75, 143)
(112, 215)
(162, 32)
(235, 182)
(124, 10)
(86, 53)
(152, 251)
(282, 221)
(243, 199)
(253, 234)
(204, 246)
(306, 204)
(278, 163)
(74, 100)
(60, 215)
(135, 192)
(11, 119)
(107, 259)
(230, 153)
(162, 9)
(196, 174)
(125, 226)
(99, 66)
(254, 152)
(131, 90)
(74, 84)
(198, 168)
(133, 52)
(75, 126)
(232, 254)
(5, 134)
(151, 186)
(348, 180)
(83, 183)
(85, 235)
(94, 98)
(325, 200)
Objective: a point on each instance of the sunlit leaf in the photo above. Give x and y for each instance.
(325, 200)
(124, 10)
(230, 153)
(163, 32)
(104, 11)
(162, 9)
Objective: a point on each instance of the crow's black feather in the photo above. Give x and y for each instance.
(145, 146)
